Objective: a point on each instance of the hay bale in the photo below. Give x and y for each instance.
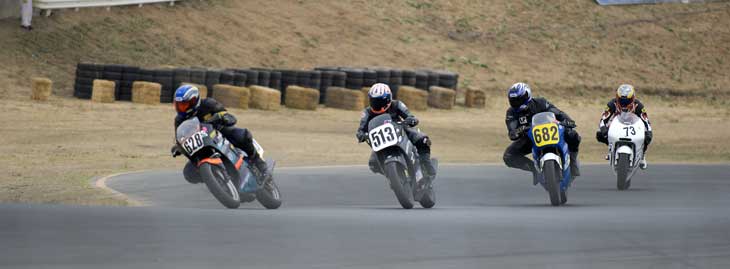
(146, 92)
(414, 98)
(475, 98)
(264, 98)
(344, 98)
(440, 97)
(201, 88)
(103, 91)
(41, 88)
(301, 98)
(232, 96)
(365, 100)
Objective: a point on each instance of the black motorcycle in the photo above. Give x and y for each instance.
(222, 167)
(396, 157)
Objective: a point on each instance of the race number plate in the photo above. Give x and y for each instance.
(194, 143)
(383, 136)
(545, 134)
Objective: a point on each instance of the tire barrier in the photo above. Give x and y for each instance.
(320, 79)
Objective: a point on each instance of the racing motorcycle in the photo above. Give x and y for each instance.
(396, 157)
(551, 156)
(222, 167)
(626, 147)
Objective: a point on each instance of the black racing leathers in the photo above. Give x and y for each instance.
(611, 111)
(398, 112)
(518, 124)
(213, 112)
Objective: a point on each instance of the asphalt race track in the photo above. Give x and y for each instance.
(487, 216)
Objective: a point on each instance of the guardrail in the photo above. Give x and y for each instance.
(49, 5)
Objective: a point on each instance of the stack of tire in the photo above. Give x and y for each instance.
(421, 79)
(396, 79)
(355, 78)
(212, 77)
(180, 76)
(86, 73)
(130, 74)
(409, 78)
(113, 72)
(448, 79)
(166, 78)
(288, 77)
(197, 75)
(330, 77)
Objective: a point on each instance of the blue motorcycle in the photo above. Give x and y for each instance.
(551, 156)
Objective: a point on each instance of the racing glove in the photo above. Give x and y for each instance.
(222, 118)
(361, 137)
(411, 121)
(602, 134)
(518, 132)
(568, 123)
(175, 151)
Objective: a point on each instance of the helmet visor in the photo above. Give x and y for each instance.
(625, 102)
(378, 104)
(517, 102)
(184, 106)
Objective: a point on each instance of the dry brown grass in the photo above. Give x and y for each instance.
(65, 142)
(490, 43)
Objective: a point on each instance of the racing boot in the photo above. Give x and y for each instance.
(574, 165)
(535, 176)
(427, 165)
(260, 169)
(642, 163)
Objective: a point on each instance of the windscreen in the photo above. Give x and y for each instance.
(187, 129)
(628, 118)
(542, 118)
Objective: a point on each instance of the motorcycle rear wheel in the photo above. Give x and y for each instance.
(269, 195)
(221, 187)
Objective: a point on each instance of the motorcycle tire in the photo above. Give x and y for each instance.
(552, 172)
(623, 170)
(399, 183)
(269, 195)
(221, 187)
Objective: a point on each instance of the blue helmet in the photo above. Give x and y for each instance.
(519, 96)
(380, 97)
(187, 100)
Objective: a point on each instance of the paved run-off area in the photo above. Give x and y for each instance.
(674, 216)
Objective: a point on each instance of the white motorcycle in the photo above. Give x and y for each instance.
(626, 147)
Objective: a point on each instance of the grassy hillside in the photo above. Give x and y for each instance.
(491, 43)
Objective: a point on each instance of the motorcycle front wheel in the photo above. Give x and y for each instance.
(399, 183)
(623, 170)
(220, 185)
(269, 195)
(551, 171)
